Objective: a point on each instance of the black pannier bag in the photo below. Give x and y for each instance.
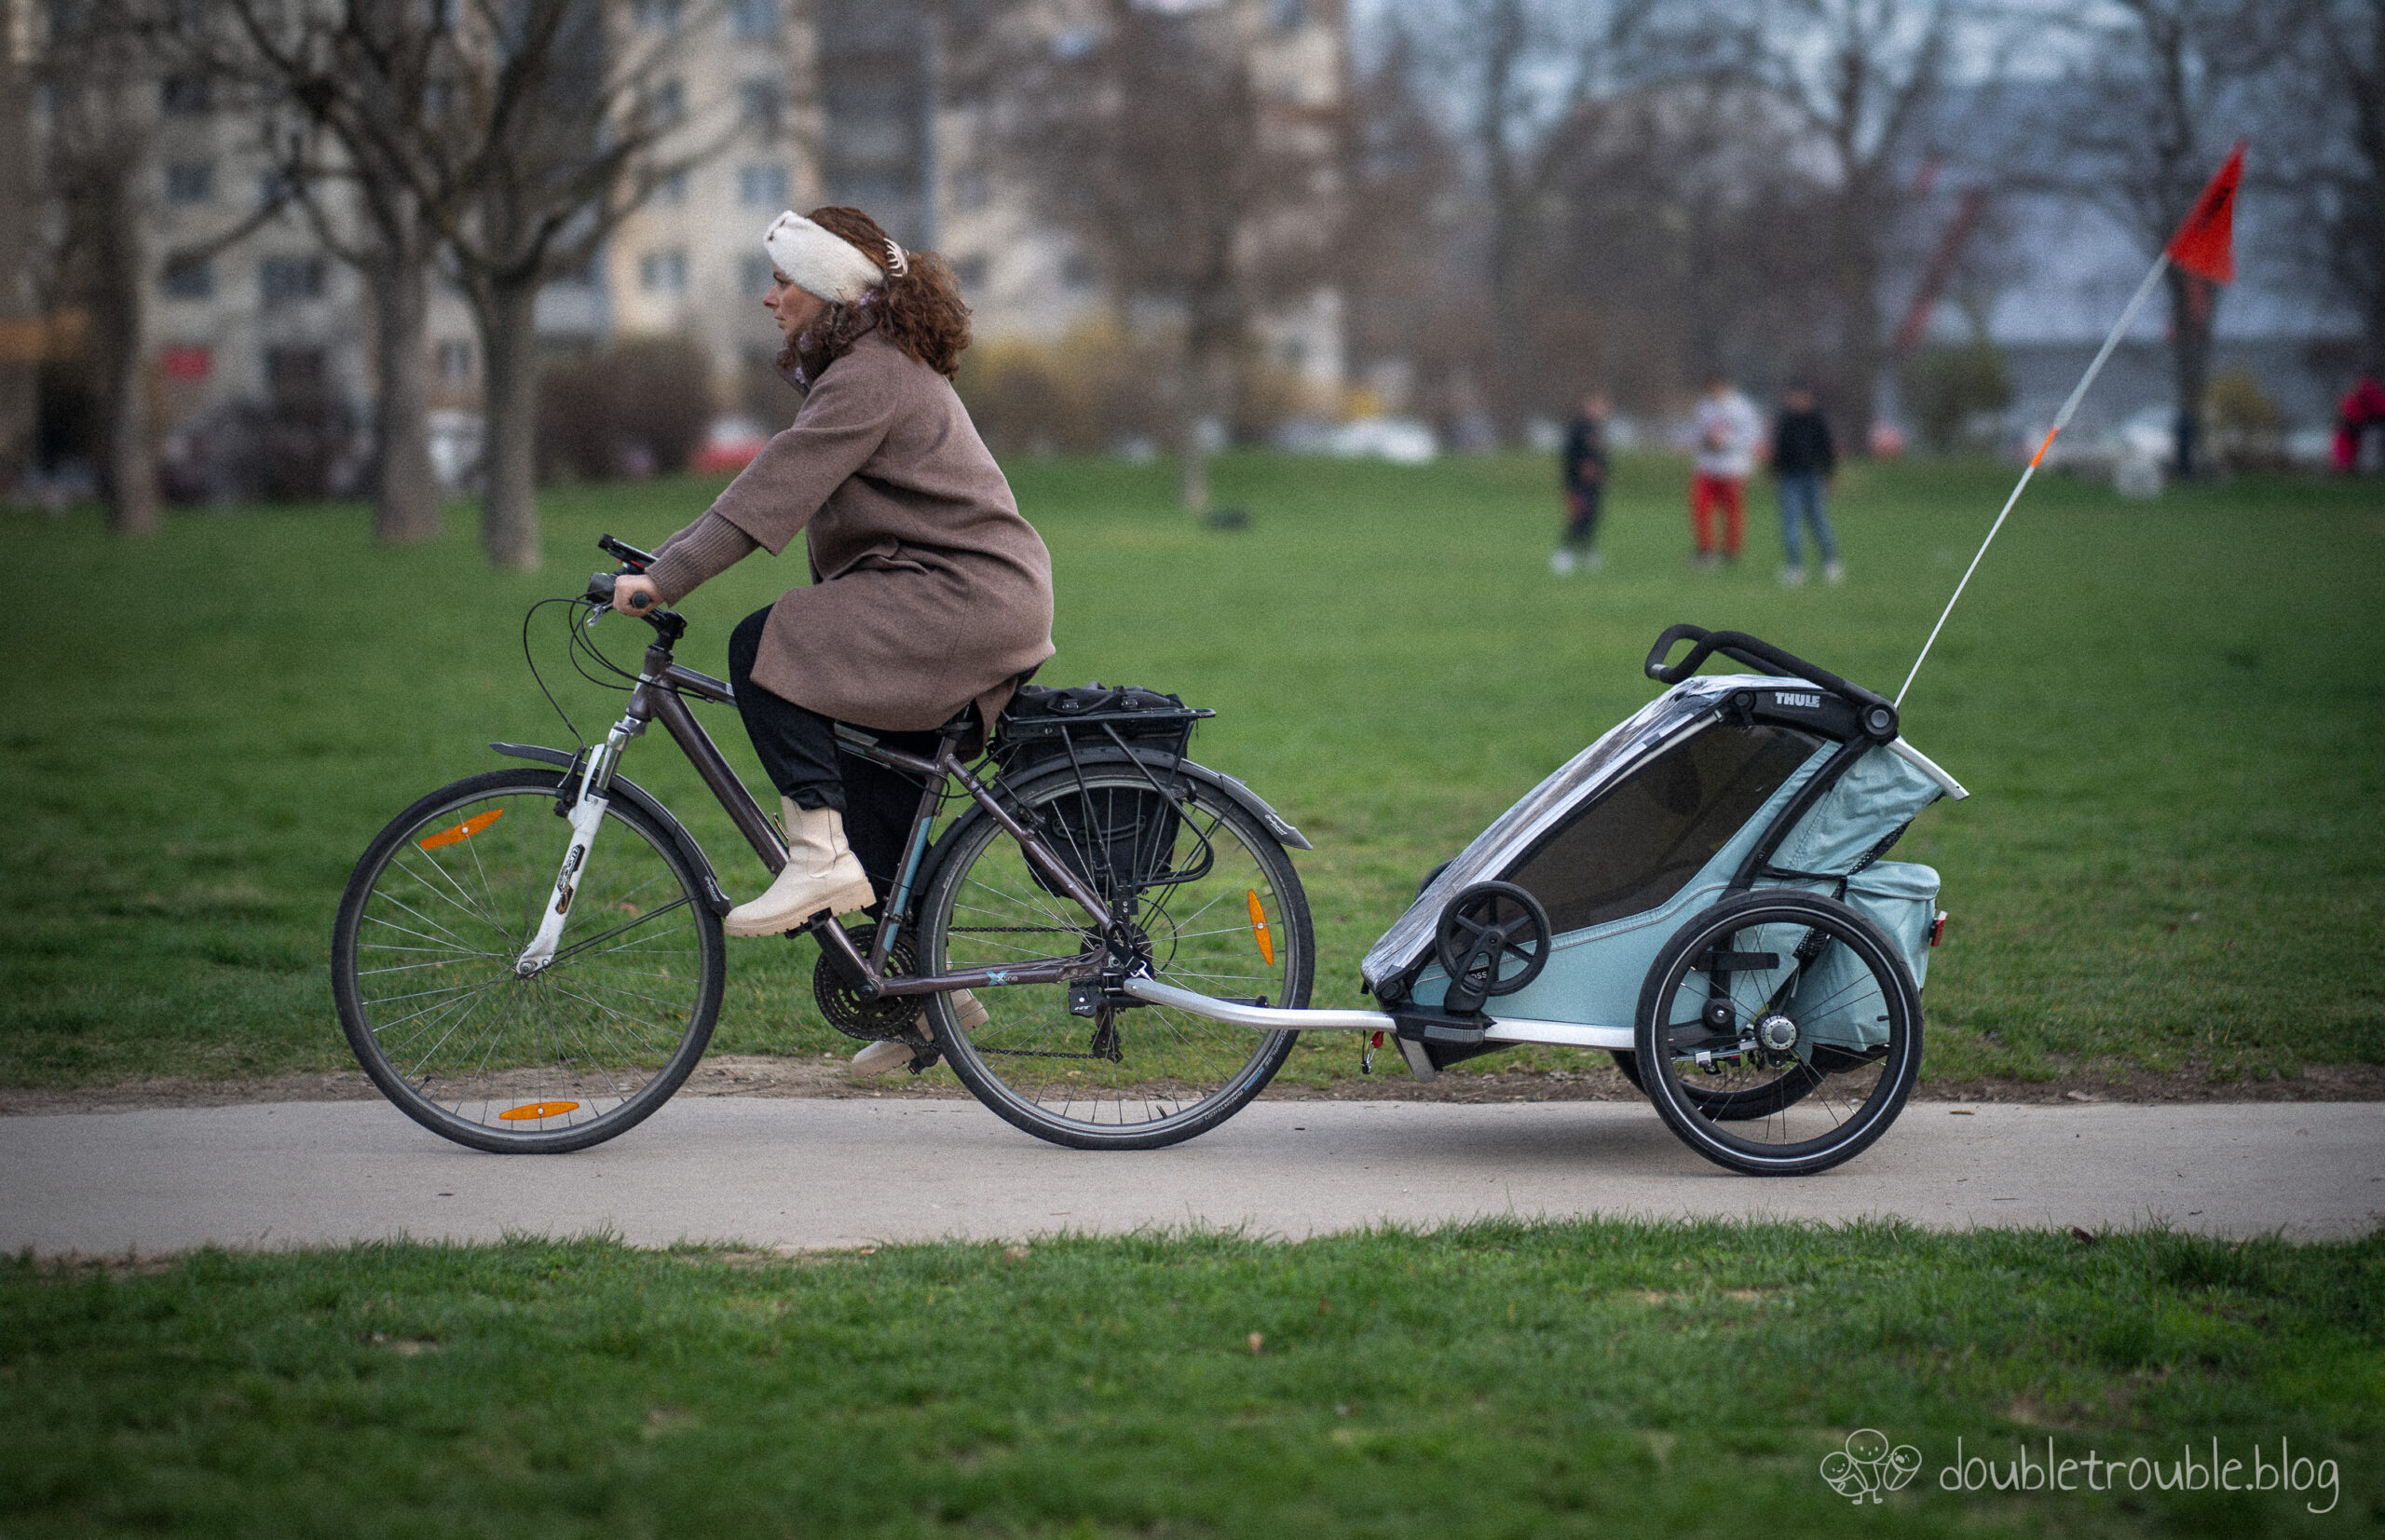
(1118, 837)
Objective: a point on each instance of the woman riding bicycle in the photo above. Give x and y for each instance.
(930, 593)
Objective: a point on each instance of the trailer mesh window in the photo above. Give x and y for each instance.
(1643, 840)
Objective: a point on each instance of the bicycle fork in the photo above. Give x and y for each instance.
(587, 813)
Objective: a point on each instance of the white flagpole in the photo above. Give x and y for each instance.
(2144, 292)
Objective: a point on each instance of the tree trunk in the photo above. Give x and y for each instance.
(508, 462)
(20, 322)
(406, 505)
(1191, 429)
(131, 473)
(2194, 304)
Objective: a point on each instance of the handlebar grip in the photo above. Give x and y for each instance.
(600, 587)
(1879, 717)
(640, 602)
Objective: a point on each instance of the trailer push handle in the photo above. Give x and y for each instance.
(1879, 717)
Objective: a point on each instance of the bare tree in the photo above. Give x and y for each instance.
(1682, 211)
(1400, 177)
(2163, 89)
(2330, 154)
(1524, 78)
(509, 136)
(1146, 136)
(1866, 78)
(21, 333)
(102, 93)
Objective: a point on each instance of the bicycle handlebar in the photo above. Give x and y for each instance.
(1879, 717)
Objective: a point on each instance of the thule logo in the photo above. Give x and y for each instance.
(1792, 698)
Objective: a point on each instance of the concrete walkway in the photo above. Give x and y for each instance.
(818, 1173)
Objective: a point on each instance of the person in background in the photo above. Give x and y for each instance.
(2360, 426)
(1729, 432)
(1585, 482)
(1804, 460)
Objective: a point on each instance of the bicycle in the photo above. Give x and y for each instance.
(515, 998)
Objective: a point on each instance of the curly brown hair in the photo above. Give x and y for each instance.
(921, 312)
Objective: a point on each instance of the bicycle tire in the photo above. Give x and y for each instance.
(573, 1055)
(1807, 1112)
(1144, 1076)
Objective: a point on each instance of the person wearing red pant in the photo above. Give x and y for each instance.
(1729, 432)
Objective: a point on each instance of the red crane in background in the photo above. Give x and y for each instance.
(1941, 263)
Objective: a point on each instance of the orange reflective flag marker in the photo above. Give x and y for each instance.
(537, 1109)
(462, 831)
(1259, 930)
(2205, 244)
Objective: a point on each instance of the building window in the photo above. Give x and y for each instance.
(189, 278)
(183, 95)
(663, 272)
(762, 105)
(971, 270)
(762, 184)
(754, 18)
(190, 182)
(455, 361)
(281, 280)
(754, 275)
(660, 14)
(972, 189)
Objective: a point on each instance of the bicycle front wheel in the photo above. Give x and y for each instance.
(1212, 902)
(424, 968)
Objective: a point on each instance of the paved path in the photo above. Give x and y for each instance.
(817, 1173)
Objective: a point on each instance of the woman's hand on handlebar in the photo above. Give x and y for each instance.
(634, 593)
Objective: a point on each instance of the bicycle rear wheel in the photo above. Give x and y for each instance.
(1215, 906)
(423, 968)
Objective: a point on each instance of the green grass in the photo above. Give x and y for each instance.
(2173, 735)
(1507, 1380)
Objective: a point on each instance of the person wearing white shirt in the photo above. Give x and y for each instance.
(1729, 434)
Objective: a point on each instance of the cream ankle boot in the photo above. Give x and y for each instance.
(821, 873)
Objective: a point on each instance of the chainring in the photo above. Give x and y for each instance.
(869, 1020)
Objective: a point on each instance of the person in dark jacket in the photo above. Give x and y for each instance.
(1585, 482)
(1804, 461)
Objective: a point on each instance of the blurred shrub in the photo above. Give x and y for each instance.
(1949, 387)
(2247, 428)
(1095, 387)
(639, 408)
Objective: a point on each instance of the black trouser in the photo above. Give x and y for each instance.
(798, 751)
(1582, 500)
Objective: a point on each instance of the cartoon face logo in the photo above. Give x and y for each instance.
(1868, 1467)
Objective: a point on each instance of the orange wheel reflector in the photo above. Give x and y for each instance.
(1259, 930)
(464, 830)
(537, 1109)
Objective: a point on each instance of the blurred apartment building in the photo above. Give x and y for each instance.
(880, 104)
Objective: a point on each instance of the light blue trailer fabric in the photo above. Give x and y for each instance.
(1879, 796)
(1836, 1000)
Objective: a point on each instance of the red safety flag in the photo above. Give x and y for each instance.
(2205, 244)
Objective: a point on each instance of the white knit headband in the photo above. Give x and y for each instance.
(820, 262)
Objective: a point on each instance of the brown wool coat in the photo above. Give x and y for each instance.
(929, 592)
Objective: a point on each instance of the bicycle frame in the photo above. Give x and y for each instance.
(660, 695)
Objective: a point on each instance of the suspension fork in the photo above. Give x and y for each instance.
(586, 814)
